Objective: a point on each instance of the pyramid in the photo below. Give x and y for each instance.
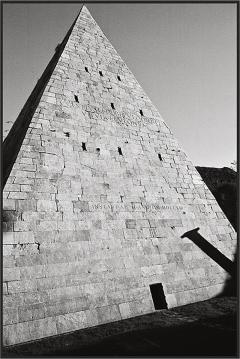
(98, 196)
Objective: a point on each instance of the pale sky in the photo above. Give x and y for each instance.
(183, 55)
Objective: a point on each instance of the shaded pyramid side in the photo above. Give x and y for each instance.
(13, 140)
(97, 201)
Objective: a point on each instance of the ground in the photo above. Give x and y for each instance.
(207, 328)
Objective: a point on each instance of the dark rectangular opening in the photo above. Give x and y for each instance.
(67, 134)
(160, 157)
(141, 113)
(119, 78)
(120, 151)
(112, 105)
(100, 73)
(76, 98)
(86, 69)
(84, 146)
(158, 296)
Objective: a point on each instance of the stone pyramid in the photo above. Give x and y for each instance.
(98, 195)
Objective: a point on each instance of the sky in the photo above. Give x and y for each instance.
(183, 55)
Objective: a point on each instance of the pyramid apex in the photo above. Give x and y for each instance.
(85, 9)
(85, 12)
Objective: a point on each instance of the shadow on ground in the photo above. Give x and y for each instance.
(205, 328)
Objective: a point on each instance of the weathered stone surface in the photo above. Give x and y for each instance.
(45, 205)
(71, 321)
(97, 202)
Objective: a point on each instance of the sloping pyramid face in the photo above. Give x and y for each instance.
(97, 201)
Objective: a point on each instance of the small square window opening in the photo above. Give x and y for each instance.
(120, 151)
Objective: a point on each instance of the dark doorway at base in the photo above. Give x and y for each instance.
(158, 296)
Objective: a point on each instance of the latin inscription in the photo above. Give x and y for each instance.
(117, 207)
(122, 118)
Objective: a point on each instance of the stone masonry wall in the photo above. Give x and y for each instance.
(97, 201)
(222, 182)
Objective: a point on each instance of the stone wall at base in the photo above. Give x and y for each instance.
(97, 201)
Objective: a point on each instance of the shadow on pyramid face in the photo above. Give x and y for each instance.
(216, 255)
(230, 286)
(226, 196)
